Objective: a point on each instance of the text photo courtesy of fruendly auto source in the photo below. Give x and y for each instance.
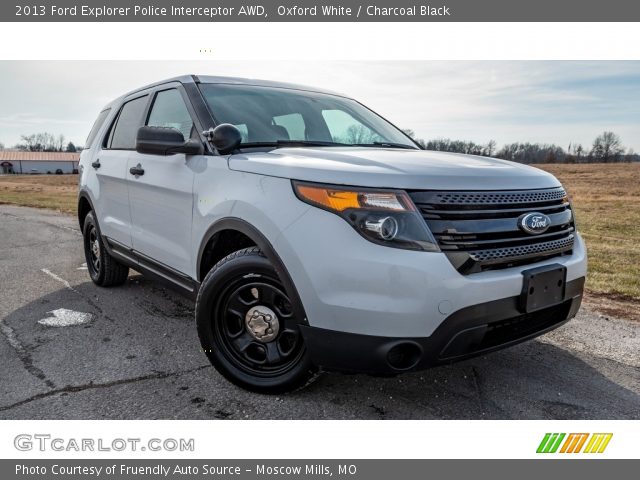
(326, 240)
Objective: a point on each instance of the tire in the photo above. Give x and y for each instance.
(248, 328)
(104, 270)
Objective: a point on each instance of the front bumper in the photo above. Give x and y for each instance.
(468, 332)
(348, 284)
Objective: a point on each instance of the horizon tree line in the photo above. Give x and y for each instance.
(43, 142)
(606, 148)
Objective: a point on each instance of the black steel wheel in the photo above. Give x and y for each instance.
(257, 326)
(248, 326)
(94, 249)
(104, 270)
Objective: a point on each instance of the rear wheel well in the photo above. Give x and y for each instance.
(84, 207)
(219, 246)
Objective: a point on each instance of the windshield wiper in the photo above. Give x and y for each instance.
(293, 143)
(386, 144)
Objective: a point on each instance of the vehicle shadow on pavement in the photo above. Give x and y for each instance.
(138, 357)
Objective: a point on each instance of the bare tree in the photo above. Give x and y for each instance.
(532, 153)
(490, 148)
(360, 134)
(607, 147)
(59, 143)
(41, 142)
(412, 134)
(409, 133)
(460, 146)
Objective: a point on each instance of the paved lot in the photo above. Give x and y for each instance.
(138, 355)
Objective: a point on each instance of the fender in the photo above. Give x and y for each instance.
(244, 227)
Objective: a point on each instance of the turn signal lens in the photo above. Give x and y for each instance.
(339, 200)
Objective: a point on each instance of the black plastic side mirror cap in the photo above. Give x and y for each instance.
(165, 141)
(225, 138)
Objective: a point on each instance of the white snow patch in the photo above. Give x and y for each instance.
(63, 317)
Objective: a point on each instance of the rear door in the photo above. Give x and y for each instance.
(110, 164)
(161, 198)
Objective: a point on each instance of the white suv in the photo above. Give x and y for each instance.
(314, 234)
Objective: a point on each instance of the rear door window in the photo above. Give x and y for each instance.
(129, 120)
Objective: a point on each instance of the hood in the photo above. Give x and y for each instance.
(393, 168)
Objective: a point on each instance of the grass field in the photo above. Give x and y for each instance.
(607, 203)
(57, 192)
(606, 199)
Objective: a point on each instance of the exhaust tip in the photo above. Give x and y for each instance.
(404, 356)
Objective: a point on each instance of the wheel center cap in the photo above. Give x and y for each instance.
(262, 323)
(96, 248)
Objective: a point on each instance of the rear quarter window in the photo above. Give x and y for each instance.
(97, 125)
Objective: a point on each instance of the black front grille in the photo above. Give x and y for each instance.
(499, 198)
(478, 230)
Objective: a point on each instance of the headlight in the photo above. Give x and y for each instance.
(385, 217)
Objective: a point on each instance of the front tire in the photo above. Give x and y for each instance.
(248, 328)
(104, 270)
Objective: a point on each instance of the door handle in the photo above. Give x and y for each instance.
(137, 170)
(96, 164)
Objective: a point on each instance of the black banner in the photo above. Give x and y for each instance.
(320, 11)
(317, 469)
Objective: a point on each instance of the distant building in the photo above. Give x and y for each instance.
(18, 162)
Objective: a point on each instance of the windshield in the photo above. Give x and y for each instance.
(267, 115)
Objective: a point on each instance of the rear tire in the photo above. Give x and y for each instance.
(248, 328)
(104, 270)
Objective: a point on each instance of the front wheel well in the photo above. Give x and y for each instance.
(219, 246)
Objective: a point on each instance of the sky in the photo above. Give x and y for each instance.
(561, 102)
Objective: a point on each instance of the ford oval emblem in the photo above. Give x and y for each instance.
(534, 223)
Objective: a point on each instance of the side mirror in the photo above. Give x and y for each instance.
(225, 138)
(165, 141)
